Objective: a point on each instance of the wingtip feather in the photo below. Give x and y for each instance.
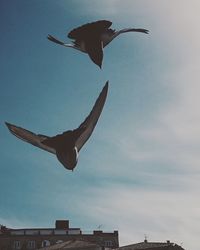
(8, 125)
(106, 85)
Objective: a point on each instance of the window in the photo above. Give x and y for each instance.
(46, 243)
(108, 243)
(31, 244)
(17, 244)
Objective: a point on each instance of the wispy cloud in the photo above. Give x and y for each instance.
(143, 176)
(159, 214)
(171, 140)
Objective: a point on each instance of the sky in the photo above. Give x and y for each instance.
(139, 172)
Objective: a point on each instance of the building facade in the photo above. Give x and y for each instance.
(34, 238)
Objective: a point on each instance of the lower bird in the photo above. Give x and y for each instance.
(66, 146)
(91, 38)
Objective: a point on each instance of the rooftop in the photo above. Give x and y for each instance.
(72, 244)
(151, 245)
(61, 228)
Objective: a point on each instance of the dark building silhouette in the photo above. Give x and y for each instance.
(65, 237)
(146, 245)
(35, 238)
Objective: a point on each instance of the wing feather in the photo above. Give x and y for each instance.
(55, 40)
(90, 122)
(30, 137)
(117, 33)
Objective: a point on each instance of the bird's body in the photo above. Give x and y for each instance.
(91, 38)
(67, 145)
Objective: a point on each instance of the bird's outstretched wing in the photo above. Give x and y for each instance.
(94, 48)
(30, 137)
(89, 29)
(130, 30)
(55, 40)
(90, 122)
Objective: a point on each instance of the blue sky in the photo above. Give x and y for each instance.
(139, 173)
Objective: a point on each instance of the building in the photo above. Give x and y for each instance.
(35, 238)
(82, 245)
(146, 245)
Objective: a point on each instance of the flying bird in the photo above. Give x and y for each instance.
(91, 38)
(67, 145)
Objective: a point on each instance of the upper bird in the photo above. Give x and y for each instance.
(67, 145)
(91, 38)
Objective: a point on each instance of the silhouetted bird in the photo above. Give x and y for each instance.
(67, 145)
(91, 38)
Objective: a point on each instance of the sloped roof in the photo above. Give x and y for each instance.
(72, 244)
(151, 245)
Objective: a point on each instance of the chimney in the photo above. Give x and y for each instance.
(62, 224)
